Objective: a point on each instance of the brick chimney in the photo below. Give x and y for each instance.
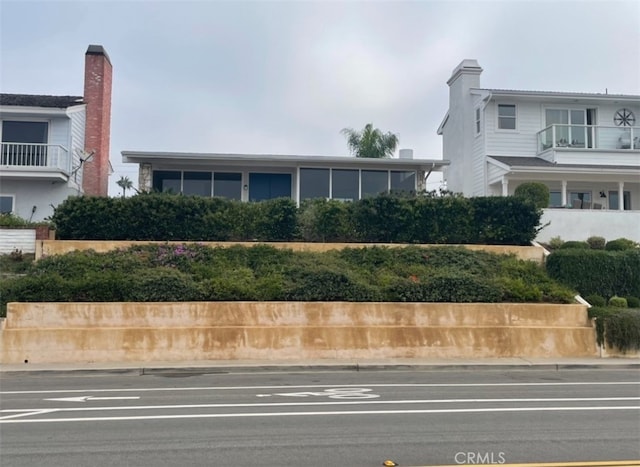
(97, 96)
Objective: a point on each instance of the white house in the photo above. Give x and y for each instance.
(256, 177)
(584, 147)
(53, 147)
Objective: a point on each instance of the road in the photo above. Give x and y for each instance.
(319, 418)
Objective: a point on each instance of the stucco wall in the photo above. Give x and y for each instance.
(580, 224)
(58, 247)
(107, 332)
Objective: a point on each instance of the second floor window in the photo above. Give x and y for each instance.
(477, 121)
(506, 117)
(24, 143)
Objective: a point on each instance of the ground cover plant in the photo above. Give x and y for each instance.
(187, 272)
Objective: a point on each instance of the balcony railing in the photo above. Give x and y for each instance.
(589, 137)
(35, 156)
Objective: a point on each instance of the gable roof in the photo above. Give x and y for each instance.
(34, 100)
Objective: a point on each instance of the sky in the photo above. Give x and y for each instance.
(284, 77)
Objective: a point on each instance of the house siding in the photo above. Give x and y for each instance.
(76, 145)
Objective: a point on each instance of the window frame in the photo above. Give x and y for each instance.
(13, 202)
(514, 117)
(478, 121)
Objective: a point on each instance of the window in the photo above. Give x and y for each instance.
(227, 185)
(570, 127)
(580, 199)
(264, 186)
(506, 117)
(374, 182)
(344, 184)
(24, 143)
(403, 181)
(478, 121)
(614, 201)
(555, 199)
(314, 183)
(6, 204)
(196, 183)
(165, 180)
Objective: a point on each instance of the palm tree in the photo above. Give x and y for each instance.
(125, 184)
(370, 142)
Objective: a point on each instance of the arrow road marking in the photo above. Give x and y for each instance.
(91, 398)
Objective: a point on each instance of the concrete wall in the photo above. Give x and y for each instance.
(109, 332)
(580, 224)
(59, 247)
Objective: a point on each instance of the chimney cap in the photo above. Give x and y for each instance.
(98, 50)
(466, 66)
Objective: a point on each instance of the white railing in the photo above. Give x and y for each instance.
(588, 137)
(35, 155)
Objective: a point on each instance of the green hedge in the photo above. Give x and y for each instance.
(385, 218)
(597, 272)
(186, 272)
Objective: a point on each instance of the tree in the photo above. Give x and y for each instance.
(125, 184)
(370, 142)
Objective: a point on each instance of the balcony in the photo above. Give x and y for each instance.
(34, 160)
(589, 137)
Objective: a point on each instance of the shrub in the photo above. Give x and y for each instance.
(536, 192)
(556, 243)
(161, 284)
(617, 328)
(618, 302)
(596, 300)
(620, 244)
(604, 273)
(633, 302)
(596, 243)
(575, 245)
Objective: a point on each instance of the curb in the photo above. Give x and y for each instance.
(286, 368)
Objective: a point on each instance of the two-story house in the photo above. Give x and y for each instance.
(53, 147)
(584, 147)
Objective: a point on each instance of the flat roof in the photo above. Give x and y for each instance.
(278, 159)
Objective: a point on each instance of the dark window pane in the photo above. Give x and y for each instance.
(314, 183)
(165, 180)
(374, 182)
(228, 185)
(264, 186)
(344, 185)
(24, 132)
(506, 110)
(197, 183)
(555, 199)
(403, 181)
(507, 117)
(6, 204)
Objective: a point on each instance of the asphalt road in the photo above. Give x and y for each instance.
(319, 418)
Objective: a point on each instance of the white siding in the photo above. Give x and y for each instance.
(76, 144)
(518, 142)
(17, 239)
(41, 194)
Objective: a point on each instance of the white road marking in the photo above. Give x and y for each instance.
(306, 404)
(334, 393)
(91, 398)
(28, 413)
(332, 413)
(410, 385)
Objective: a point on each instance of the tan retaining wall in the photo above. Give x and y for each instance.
(58, 247)
(109, 332)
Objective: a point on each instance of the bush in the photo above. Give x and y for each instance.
(599, 272)
(596, 300)
(596, 243)
(633, 302)
(556, 243)
(619, 329)
(618, 302)
(573, 244)
(620, 244)
(535, 192)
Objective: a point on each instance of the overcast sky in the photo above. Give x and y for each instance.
(285, 77)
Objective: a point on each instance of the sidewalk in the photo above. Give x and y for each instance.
(242, 366)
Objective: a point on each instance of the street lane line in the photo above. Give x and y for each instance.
(409, 385)
(332, 413)
(303, 404)
(28, 413)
